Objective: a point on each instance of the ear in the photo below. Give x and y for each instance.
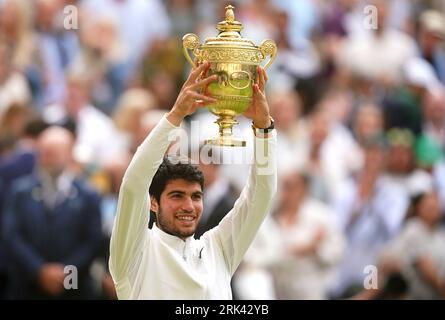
(154, 205)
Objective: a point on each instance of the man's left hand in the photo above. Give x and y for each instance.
(258, 111)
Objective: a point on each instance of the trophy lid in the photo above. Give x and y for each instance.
(229, 32)
(230, 27)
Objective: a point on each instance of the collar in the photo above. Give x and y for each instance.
(172, 241)
(61, 184)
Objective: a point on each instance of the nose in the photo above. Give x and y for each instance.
(187, 205)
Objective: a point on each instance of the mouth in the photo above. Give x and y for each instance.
(186, 218)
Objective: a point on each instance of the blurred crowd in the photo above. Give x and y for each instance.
(358, 98)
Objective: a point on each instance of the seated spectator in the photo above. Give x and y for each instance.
(417, 252)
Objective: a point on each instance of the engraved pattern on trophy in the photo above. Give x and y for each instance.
(229, 55)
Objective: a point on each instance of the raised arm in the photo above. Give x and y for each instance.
(239, 227)
(131, 224)
(130, 231)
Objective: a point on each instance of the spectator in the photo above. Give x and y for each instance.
(431, 38)
(15, 162)
(286, 108)
(370, 209)
(103, 59)
(434, 115)
(368, 123)
(58, 48)
(16, 30)
(13, 86)
(377, 55)
(133, 104)
(95, 131)
(402, 104)
(134, 30)
(44, 225)
(417, 253)
(328, 154)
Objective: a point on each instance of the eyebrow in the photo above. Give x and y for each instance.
(182, 192)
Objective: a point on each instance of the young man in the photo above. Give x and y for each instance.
(166, 262)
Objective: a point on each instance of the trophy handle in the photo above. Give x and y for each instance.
(190, 41)
(268, 48)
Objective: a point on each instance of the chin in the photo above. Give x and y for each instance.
(188, 233)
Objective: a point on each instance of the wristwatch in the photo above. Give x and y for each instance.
(264, 130)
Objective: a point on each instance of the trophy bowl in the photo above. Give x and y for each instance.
(234, 60)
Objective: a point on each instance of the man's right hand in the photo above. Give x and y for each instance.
(51, 277)
(189, 99)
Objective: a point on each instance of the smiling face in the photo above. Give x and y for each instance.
(180, 208)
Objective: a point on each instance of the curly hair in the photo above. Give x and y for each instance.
(172, 168)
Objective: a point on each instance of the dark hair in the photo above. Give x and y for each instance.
(172, 168)
(414, 205)
(35, 127)
(396, 287)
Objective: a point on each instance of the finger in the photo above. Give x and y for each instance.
(262, 81)
(204, 82)
(258, 75)
(194, 75)
(202, 97)
(206, 70)
(199, 104)
(256, 89)
(258, 92)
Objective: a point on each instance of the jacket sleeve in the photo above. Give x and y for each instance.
(21, 251)
(88, 248)
(130, 230)
(238, 228)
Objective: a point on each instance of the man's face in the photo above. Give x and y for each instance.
(180, 208)
(54, 154)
